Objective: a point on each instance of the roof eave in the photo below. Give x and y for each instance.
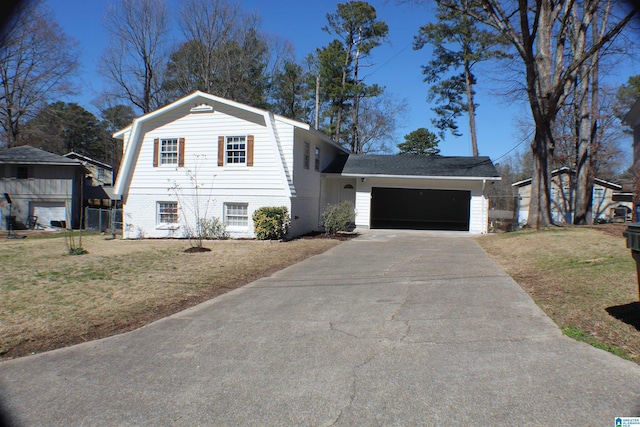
(434, 177)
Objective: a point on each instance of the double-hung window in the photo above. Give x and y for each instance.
(236, 150)
(169, 151)
(167, 213)
(236, 215)
(317, 161)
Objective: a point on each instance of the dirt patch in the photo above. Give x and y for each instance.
(196, 249)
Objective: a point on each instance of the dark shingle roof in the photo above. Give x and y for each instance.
(28, 155)
(401, 165)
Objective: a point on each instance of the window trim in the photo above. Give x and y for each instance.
(223, 140)
(158, 152)
(227, 150)
(166, 155)
(225, 215)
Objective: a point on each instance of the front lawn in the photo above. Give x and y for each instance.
(583, 278)
(49, 299)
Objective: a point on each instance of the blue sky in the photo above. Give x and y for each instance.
(394, 65)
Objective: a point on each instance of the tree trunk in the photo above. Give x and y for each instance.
(342, 93)
(540, 207)
(583, 137)
(355, 143)
(472, 108)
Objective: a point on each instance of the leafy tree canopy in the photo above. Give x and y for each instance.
(420, 142)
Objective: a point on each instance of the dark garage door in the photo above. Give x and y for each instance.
(420, 209)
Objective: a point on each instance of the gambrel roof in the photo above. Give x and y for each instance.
(197, 102)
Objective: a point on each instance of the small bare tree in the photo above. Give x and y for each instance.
(194, 203)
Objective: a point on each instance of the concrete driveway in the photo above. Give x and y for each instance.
(406, 328)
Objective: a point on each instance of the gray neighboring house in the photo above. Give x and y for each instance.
(44, 188)
(98, 185)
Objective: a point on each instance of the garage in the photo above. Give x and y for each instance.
(46, 212)
(417, 192)
(420, 209)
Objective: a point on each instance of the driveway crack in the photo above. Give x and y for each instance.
(402, 304)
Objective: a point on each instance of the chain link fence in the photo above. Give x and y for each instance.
(103, 220)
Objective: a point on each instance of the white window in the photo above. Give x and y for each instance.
(101, 174)
(169, 151)
(236, 215)
(317, 163)
(236, 150)
(167, 212)
(307, 155)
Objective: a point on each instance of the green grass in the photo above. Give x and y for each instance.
(572, 332)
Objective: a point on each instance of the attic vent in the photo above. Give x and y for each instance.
(202, 108)
(349, 186)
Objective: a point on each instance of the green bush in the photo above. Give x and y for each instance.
(338, 217)
(212, 229)
(271, 223)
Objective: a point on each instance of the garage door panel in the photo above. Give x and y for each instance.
(46, 212)
(425, 209)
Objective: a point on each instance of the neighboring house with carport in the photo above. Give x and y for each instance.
(241, 158)
(98, 185)
(609, 201)
(44, 188)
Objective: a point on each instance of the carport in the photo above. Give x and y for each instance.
(419, 193)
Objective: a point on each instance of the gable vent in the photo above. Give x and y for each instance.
(202, 108)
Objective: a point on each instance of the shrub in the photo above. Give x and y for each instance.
(271, 223)
(338, 217)
(212, 229)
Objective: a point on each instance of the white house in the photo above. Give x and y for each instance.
(226, 159)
